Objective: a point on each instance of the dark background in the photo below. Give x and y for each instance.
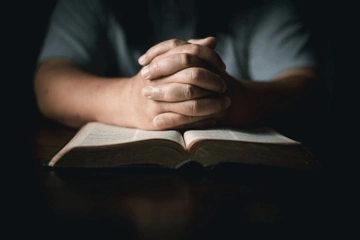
(25, 23)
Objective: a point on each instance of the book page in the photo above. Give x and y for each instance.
(254, 135)
(102, 134)
(99, 134)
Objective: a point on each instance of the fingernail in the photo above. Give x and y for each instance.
(142, 60)
(159, 122)
(148, 91)
(145, 71)
(227, 102)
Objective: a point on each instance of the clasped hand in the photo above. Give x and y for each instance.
(180, 86)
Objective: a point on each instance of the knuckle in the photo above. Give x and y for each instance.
(194, 49)
(188, 91)
(155, 66)
(173, 43)
(161, 94)
(185, 59)
(158, 93)
(195, 74)
(193, 107)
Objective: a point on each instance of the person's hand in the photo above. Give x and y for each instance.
(175, 55)
(195, 112)
(185, 77)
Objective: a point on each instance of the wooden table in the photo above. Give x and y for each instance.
(150, 204)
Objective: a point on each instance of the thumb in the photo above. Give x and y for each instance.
(208, 41)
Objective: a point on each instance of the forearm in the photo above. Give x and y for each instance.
(255, 102)
(73, 97)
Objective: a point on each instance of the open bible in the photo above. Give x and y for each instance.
(98, 145)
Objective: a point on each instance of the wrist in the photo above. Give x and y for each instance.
(248, 107)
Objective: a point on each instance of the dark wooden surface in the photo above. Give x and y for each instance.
(151, 204)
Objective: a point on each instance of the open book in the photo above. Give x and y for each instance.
(100, 145)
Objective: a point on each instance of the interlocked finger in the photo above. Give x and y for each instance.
(171, 64)
(199, 77)
(167, 45)
(159, 49)
(206, 54)
(177, 121)
(198, 107)
(174, 92)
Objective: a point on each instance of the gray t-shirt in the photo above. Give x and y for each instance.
(258, 43)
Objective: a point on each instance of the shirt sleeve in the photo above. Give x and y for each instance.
(73, 33)
(280, 41)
